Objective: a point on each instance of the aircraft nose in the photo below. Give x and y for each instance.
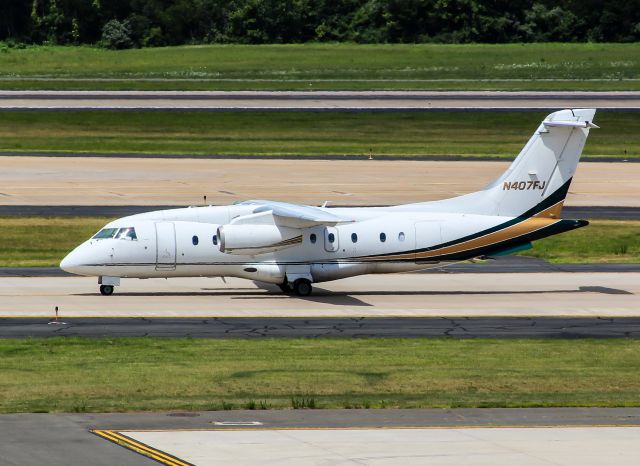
(71, 262)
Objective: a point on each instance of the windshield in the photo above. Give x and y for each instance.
(105, 233)
(128, 233)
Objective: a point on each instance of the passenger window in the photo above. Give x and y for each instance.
(331, 237)
(313, 238)
(215, 240)
(194, 240)
(383, 237)
(354, 238)
(401, 236)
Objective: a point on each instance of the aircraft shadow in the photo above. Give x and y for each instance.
(339, 298)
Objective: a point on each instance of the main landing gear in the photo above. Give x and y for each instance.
(106, 290)
(301, 287)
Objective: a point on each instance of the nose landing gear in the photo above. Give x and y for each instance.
(107, 284)
(106, 290)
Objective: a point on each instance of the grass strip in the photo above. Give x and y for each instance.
(327, 66)
(44, 241)
(603, 241)
(132, 374)
(397, 134)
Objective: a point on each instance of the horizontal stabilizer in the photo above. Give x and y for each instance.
(571, 124)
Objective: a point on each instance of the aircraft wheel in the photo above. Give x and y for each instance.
(302, 287)
(106, 290)
(285, 287)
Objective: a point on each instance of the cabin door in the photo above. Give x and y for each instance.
(165, 246)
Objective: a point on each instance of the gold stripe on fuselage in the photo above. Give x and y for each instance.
(552, 212)
(514, 231)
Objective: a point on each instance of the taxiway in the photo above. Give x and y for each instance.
(408, 436)
(402, 295)
(46, 181)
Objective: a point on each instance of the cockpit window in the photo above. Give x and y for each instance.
(105, 233)
(127, 233)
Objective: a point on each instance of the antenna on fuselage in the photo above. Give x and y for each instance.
(205, 199)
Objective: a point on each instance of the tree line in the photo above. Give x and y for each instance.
(142, 23)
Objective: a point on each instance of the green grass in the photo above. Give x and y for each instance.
(41, 241)
(494, 134)
(603, 241)
(326, 66)
(132, 374)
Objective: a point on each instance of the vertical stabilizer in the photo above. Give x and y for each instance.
(538, 180)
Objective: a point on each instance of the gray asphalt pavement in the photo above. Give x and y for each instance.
(314, 100)
(285, 327)
(62, 439)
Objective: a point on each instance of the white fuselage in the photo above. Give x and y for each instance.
(184, 243)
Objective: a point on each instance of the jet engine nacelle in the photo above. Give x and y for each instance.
(256, 239)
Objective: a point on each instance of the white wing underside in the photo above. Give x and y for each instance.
(289, 215)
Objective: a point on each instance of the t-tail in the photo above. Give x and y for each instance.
(537, 182)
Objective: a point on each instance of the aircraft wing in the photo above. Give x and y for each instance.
(296, 216)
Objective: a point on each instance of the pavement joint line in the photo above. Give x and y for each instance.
(141, 448)
(431, 427)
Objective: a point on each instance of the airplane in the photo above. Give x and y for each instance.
(295, 246)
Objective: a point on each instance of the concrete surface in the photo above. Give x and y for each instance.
(413, 295)
(337, 327)
(490, 446)
(62, 439)
(48, 181)
(317, 100)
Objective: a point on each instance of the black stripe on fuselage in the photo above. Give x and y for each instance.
(554, 198)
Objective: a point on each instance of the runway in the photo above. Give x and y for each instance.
(315, 100)
(461, 436)
(89, 181)
(588, 295)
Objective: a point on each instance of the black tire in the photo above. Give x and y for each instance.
(302, 287)
(106, 290)
(286, 288)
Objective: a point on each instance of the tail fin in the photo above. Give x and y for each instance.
(538, 180)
